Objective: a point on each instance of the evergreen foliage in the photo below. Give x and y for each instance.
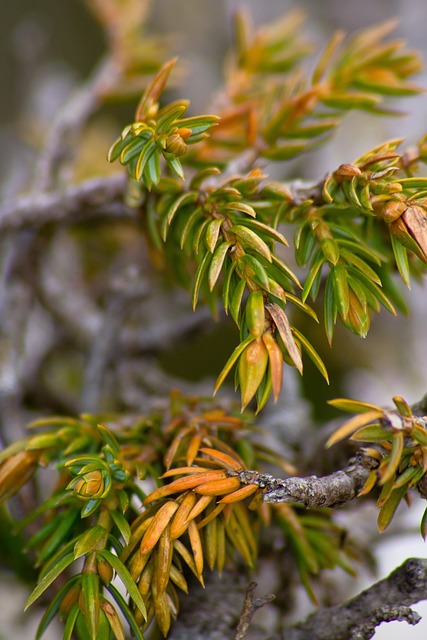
(140, 502)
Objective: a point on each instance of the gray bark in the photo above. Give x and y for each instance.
(99, 196)
(212, 614)
(314, 492)
(387, 600)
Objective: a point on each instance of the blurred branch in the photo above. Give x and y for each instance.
(164, 334)
(60, 143)
(16, 356)
(101, 352)
(95, 197)
(126, 289)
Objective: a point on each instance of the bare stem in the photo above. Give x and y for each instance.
(250, 605)
(314, 492)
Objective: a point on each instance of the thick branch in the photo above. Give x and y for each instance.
(96, 197)
(211, 614)
(387, 600)
(313, 492)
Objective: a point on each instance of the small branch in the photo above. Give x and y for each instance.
(95, 197)
(250, 605)
(386, 601)
(313, 492)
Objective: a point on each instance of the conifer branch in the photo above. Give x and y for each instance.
(196, 193)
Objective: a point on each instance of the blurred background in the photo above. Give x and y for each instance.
(48, 49)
